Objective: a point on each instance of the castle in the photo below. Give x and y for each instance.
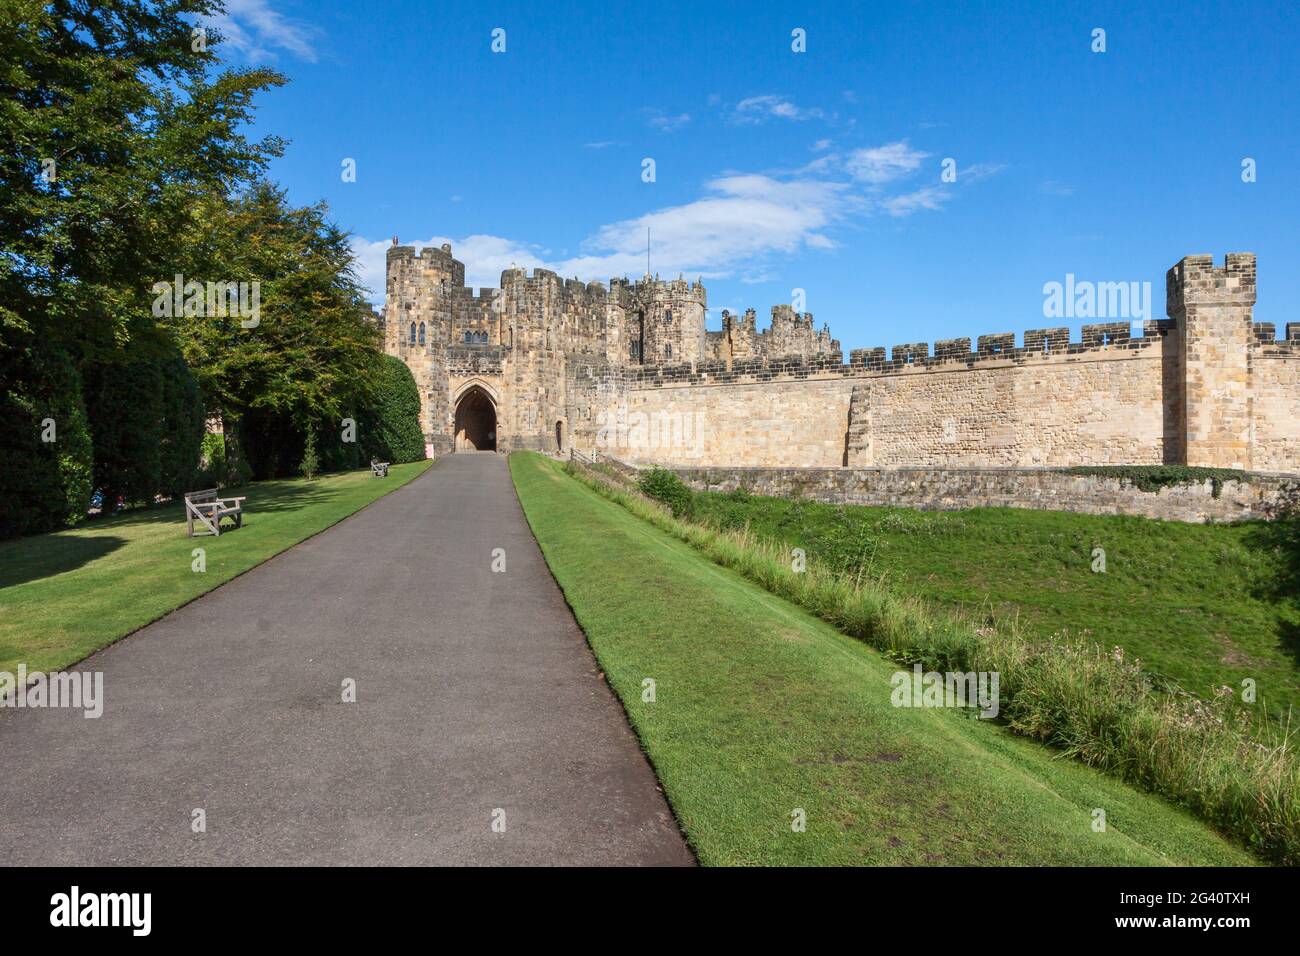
(551, 364)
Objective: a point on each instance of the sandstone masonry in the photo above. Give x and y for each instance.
(629, 369)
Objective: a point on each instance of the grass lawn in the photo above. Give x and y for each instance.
(761, 710)
(1203, 605)
(67, 594)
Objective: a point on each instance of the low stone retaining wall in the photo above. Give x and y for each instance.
(949, 489)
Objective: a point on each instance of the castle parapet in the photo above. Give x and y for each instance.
(1196, 280)
(869, 358)
(911, 353)
(952, 348)
(1047, 341)
(997, 343)
(1098, 334)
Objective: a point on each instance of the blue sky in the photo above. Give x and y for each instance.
(819, 170)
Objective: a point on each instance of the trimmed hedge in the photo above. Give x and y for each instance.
(146, 421)
(44, 485)
(391, 432)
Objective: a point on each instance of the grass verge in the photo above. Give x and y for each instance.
(67, 594)
(761, 710)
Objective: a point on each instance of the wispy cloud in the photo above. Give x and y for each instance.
(759, 109)
(258, 33)
(668, 123)
(1053, 188)
(878, 165)
(927, 197)
(602, 144)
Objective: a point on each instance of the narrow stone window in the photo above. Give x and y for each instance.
(411, 337)
(421, 333)
(668, 351)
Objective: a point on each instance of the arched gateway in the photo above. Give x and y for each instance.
(476, 421)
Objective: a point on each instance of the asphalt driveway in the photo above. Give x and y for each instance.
(478, 700)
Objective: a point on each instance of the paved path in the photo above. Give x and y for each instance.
(476, 691)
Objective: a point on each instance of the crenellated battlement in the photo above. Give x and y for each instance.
(547, 356)
(1195, 280)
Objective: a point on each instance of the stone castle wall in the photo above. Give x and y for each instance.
(630, 370)
(951, 489)
(1018, 409)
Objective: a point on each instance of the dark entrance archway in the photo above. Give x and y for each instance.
(476, 422)
(559, 436)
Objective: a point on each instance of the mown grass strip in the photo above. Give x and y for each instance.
(67, 594)
(761, 710)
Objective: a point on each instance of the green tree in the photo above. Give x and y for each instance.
(44, 484)
(111, 129)
(183, 423)
(310, 463)
(114, 128)
(391, 427)
(124, 401)
(309, 361)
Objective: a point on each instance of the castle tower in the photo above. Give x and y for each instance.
(417, 327)
(1212, 309)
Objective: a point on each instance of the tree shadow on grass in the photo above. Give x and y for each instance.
(45, 555)
(261, 497)
(30, 559)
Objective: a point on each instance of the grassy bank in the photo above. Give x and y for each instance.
(67, 594)
(1201, 605)
(1093, 702)
(761, 710)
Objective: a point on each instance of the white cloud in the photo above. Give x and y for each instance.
(668, 124)
(485, 258)
(927, 197)
(820, 146)
(257, 32)
(757, 109)
(878, 165)
(746, 219)
(743, 224)
(603, 144)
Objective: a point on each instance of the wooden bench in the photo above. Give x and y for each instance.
(379, 469)
(209, 509)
